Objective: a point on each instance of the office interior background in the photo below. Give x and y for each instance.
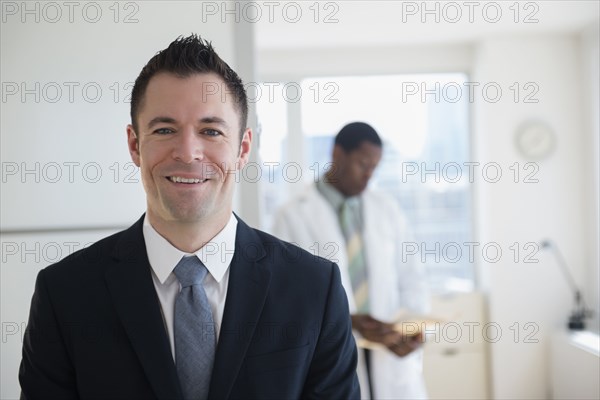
(489, 113)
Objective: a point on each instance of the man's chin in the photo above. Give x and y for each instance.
(187, 215)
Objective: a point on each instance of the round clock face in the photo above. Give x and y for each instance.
(535, 140)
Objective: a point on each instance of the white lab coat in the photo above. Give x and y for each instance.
(394, 284)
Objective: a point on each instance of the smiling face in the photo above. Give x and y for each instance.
(188, 148)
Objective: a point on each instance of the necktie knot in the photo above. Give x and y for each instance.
(190, 271)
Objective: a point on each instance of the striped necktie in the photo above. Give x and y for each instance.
(195, 339)
(357, 266)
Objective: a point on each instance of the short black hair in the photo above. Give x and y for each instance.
(184, 57)
(352, 135)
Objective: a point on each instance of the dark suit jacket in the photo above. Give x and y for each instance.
(96, 330)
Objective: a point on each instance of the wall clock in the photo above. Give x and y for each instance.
(535, 140)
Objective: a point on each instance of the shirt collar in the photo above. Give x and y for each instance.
(216, 254)
(334, 196)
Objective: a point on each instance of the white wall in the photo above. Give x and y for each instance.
(55, 210)
(590, 59)
(300, 63)
(520, 292)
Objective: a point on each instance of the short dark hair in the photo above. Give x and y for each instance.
(186, 56)
(352, 135)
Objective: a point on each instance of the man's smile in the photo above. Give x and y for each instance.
(180, 179)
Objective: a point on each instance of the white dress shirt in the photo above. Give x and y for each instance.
(216, 255)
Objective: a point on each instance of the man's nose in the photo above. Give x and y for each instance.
(188, 146)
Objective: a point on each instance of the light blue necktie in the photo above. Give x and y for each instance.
(195, 339)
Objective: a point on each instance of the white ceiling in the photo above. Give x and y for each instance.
(390, 23)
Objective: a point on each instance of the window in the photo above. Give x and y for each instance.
(423, 121)
(272, 127)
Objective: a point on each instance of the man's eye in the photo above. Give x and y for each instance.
(163, 131)
(211, 132)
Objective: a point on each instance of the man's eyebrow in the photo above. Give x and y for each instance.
(158, 120)
(205, 120)
(214, 120)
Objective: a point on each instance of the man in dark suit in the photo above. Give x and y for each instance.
(106, 322)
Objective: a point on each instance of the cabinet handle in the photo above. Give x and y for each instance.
(450, 352)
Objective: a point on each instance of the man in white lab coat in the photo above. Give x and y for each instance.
(367, 235)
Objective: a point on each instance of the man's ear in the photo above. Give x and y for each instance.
(337, 153)
(245, 146)
(337, 157)
(133, 145)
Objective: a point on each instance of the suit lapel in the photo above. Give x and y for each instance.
(246, 294)
(130, 284)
